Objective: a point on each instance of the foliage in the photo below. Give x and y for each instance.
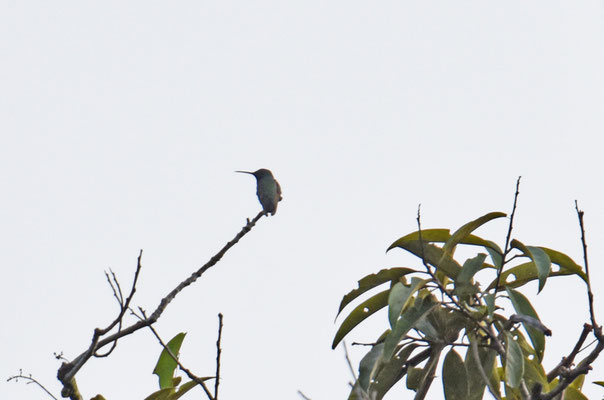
(490, 335)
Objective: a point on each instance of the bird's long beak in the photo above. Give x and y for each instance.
(245, 172)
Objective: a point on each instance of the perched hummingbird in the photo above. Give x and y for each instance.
(268, 190)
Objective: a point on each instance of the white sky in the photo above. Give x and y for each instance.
(122, 124)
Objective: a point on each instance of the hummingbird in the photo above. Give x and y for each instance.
(267, 189)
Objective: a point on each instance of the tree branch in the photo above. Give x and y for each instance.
(508, 237)
(218, 352)
(30, 379)
(67, 371)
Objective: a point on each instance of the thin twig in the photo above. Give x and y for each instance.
(508, 237)
(31, 380)
(218, 352)
(191, 376)
(354, 375)
(568, 360)
(302, 395)
(590, 296)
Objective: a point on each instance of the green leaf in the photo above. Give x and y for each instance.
(542, 262)
(539, 258)
(495, 253)
(362, 311)
(455, 377)
(476, 383)
(564, 262)
(442, 236)
(441, 325)
(578, 382)
(570, 393)
(599, 383)
(166, 365)
(400, 296)
(374, 280)
(523, 306)
(414, 378)
(161, 394)
(534, 373)
(466, 229)
(490, 300)
(514, 365)
(390, 372)
(521, 274)
(470, 267)
(433, 255)
(185, 387)
(405, 323)
(368, 364)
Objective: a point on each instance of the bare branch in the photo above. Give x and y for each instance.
(303, 396)
(568, 361)
(508, 237)
(30, 379)
(354, 375)
(596, 328)
(218, 352)
(68, 370)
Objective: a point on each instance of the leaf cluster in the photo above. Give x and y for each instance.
(488, 335)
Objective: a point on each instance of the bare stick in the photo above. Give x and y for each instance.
(354, 375)
(68, 370)
(508, 237)
(303, 396)
(30, 379)
(218, 352)
(590, 296)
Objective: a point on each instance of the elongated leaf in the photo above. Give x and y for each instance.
(542, 262)
(578, 382)
(466, 229)
(495, 253)
(185, 387)
(161, 394)
(539, 258)
(374, 280)
(565, 262)
(534, 373)
(405, 323)
(368, 364)
(514, 365)
(522, 274)
(442, 236)
(455, 377)
(400, 296)
(523, 306)
(434, 256)
(476, 383)
(166, 365)
(599, 383)
(362, 311)
(490, 300)
(390, 372)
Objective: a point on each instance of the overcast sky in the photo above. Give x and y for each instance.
(122, 123)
